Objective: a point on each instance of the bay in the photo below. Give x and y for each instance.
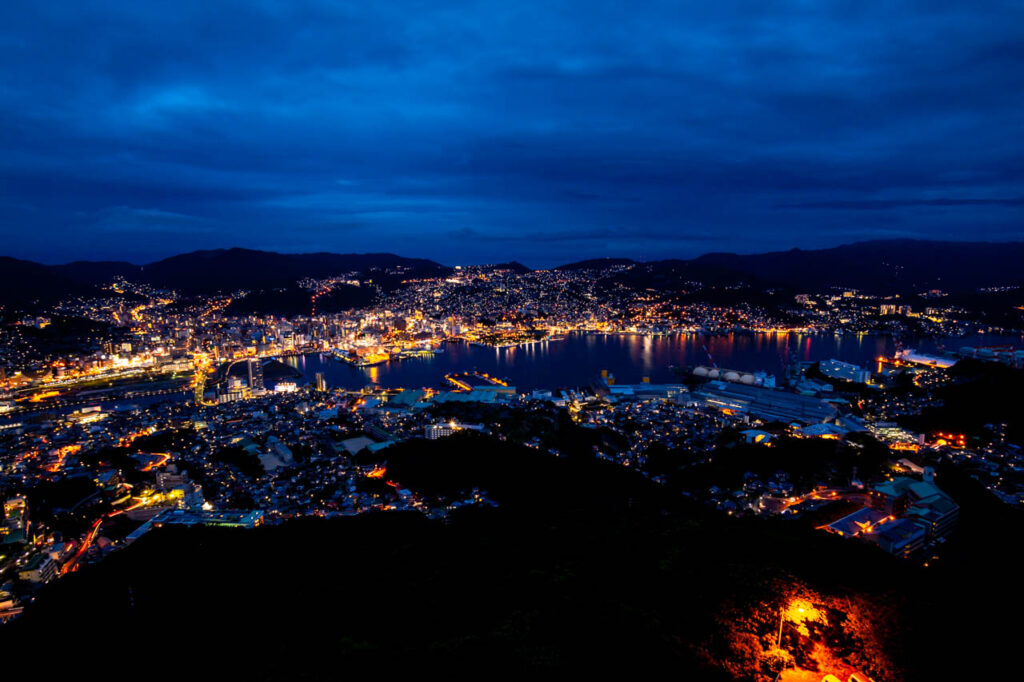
(579, 358)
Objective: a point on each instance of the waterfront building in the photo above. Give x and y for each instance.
(1006, 354)
(765, 403)
(761, 379)
(647, 391)
(836, 369)
(913, 357)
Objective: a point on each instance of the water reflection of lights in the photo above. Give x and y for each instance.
(648, 354)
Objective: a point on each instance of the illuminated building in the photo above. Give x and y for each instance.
(836, 369)
(233, 392)
(902, 537)
(913, 357)
(765, 403)
(1006, 354)
(761, 379)
(408, 398)
(922, 502)
(647, 391)
(9, 608)
(444, 429)
(16, 523)
(435, 431)
(255, 367)
(194, 517)
(893, 309)
(39, 569)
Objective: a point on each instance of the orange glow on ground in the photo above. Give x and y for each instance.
(799, 612)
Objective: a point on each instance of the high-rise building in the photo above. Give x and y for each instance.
(321, 382)
(255, 374)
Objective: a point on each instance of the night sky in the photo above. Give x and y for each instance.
(482, 132)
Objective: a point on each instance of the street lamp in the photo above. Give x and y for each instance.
(800, 610)
(782, 619)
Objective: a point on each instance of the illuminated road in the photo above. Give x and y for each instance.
(27, 410)
(72, 564)
(828, 494)
(164, 456)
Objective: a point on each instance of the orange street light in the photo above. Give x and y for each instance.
(782, 620)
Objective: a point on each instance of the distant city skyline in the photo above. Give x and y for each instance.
(541, 133)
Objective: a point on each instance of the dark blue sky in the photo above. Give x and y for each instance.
(541, 131)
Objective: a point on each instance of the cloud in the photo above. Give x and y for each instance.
(148, 220)
(605, 234)
(879, 204)
(492, 130)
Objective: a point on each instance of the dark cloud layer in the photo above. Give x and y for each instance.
(487, 131)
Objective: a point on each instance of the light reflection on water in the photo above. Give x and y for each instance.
(579, 358)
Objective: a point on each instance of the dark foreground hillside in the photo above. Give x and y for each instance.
(599, 583)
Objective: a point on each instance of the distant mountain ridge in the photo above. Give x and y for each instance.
(596, 264)
(229, 269)
(23, 282)
(95, 272)
(513, 266)
(199, 272)
(886, 266)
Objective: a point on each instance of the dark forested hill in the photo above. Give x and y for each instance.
(513, 266)
(877, 266)
(596, 264)
(229, 269)
(203, 272)
(24, 283)
(584, 567)
(288, 301)
(884, 266)
(96, 272)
